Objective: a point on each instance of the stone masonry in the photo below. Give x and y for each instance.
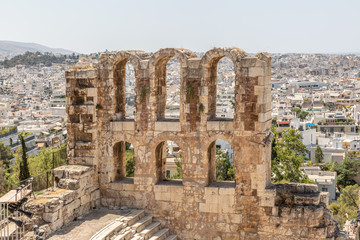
(76, 194)
(197, 207)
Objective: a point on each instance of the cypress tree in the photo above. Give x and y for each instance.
(24, 167)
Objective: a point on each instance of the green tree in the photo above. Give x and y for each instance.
(319, 156)
(347, 206)
(346, 171)
(2, 179)
(302, 115)
(224, 169)
(130, 162)
(5, 155)
(296, 110)
(178, 162)
(24, 167)
(289, 156)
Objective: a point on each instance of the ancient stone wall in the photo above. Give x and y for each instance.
(77, 192)
(197, 207)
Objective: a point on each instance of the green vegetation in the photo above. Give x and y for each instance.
(143, 94)
(25, 134)
(299, 113)
(347, 206)
(99, 106)
(178, 162)
(296, 110)
(319, 156)
(224, 169)
(33, 59)
(5, 155)
(44, 161)
(201, 108)
(189, 92)
(302, 115)
(287, 156)
(130, 160)
(4, 130)
(24, 167)
(346, 171)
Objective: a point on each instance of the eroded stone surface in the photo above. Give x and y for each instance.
(194, 208)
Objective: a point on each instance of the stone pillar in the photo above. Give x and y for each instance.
(81, 105)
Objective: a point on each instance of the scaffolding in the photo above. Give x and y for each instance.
(12, 212)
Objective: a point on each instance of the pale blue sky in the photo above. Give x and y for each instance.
(263, 25)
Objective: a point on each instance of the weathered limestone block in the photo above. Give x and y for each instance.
(71, 184)
(54, 204)
(51, 216)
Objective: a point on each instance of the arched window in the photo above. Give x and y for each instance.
(220, 157)
(167, 72)
(225, 94)
(130, 95)
(124, 83)
(221, 88)
(172, 109)
(169, 160)
(124, 160)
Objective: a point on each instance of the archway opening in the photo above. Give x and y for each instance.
(124, 161)
(130, 94)
(225, 94)
(169, 159)
(221, 90)
(124, 85)
(168, 80)
(172, 109)
(220, 157)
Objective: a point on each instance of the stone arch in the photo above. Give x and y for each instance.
(157, 67)
(118, 63)
(209, 74)
(159, 153)
(212, 157)
(209, 149)
(119, 159)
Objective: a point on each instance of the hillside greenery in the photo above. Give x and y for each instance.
(36, 58)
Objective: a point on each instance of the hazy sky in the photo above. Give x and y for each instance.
(265, 25)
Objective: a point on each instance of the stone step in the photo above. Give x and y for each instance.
(142, 223)
(160, 235)
(125, 234)
(133, 217)
(171, 237)
(111, 229)
(108, 230)
(149, 230)
(136, 238)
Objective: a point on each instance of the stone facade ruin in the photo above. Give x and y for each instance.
(197, 207)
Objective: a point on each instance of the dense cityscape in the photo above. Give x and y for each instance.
(316, 94)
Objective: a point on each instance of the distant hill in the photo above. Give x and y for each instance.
(37, 58)
(9, 48)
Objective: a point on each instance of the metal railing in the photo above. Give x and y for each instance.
(12, 226)
(45, 179)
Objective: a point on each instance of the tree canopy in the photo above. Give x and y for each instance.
(224, 169)
(288, 155)
(36, 58)
(347, 206)
(319, 156)
(346, 171)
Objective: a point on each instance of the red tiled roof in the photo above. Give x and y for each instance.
(284, 122)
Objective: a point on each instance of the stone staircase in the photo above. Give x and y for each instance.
(134, 226)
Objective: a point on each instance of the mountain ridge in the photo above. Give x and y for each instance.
(12, 48)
